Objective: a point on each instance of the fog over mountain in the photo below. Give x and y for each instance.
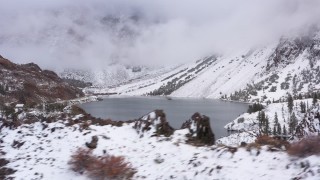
(78, 33)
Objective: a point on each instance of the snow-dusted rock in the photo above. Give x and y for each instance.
(200, 131)
(153, 124)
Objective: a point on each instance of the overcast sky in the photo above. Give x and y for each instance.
(94, 33)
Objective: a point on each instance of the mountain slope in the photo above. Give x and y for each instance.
(28, 84)
(261, 74)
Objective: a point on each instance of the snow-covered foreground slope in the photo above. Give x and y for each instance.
(47, 148)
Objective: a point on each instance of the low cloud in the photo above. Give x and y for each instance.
(96, 33)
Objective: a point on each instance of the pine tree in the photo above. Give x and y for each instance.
(314, 99)
(290, 103)
(284, 130)
(303, 107)
(276, 120)
(279, 129)
(293, 123)
(259, 121)
(267, 127)
(274, 132)
(262, 122)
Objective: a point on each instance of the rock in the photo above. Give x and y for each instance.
(158, 159)
(3, 162)
(17, 144)
(94, 142)
(200, 130)
(154, 120)
(4, 171)
(243, 144)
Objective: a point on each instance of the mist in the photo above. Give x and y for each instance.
(94, 34)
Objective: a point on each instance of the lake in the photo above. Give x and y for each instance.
(177, 110)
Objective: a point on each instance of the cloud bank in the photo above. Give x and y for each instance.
(96, 33)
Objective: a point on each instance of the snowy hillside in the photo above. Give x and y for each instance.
(114, 74)
(303, 121)
(42, 150)
(260, 74)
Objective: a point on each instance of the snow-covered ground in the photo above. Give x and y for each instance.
(47, 148)
(249, 122)
(246, 126)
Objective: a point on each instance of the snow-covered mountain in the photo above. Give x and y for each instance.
(114, 74)
(259, 74)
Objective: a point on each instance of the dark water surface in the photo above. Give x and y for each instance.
(178, 110)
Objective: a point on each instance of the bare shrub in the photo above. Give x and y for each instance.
(105, 167)
(274, 142)
(111, 167)
(306, 147)
(81, 160)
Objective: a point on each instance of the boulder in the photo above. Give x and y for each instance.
(94, 142)
(155, 121)
(200, 132)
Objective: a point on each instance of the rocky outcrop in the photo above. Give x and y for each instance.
(155, 123)
(200, 132)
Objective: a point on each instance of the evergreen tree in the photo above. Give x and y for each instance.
(284, 130)
(259, 121)
(314, 99)
(290, 103)
(264, 127)
(276, 120)
(267, 127)
(279, 129)
(303, 107)
(255, 107)
(274, 132)
(292, 123)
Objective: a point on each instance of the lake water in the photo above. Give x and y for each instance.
(177, 110)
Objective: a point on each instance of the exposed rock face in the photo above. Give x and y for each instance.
(155, 120)
(29, 84)
(200, 130)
